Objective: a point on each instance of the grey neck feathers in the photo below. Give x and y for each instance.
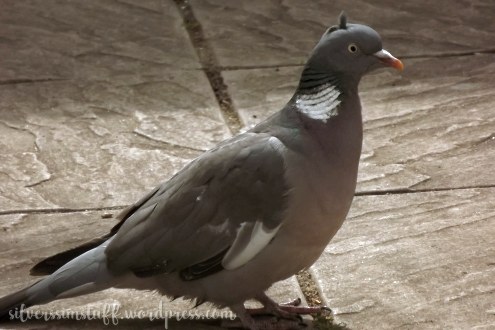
(317, 96)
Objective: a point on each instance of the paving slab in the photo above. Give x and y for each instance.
(78, 140)
(28, 238)
(92, 92)
(413, 261)
(274, 32)
(100, 40)
(431, 126)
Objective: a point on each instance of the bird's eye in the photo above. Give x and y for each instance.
(352, 48)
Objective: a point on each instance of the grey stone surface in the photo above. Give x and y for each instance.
(93, 91)
(93, 144)
(274, 32)
(414, 261)
(28, 238)
(91, 39)
(432, 126)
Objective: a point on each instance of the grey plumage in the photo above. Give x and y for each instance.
(254, 210)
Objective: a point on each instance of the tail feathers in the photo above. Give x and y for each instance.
(51, 264)
(85, 274)
(12, 303)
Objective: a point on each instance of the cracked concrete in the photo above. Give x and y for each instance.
(85, 132)
(410, 260)
(101, 101)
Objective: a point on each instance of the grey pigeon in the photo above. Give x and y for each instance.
(256, 209)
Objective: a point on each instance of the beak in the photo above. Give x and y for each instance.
(389, 60)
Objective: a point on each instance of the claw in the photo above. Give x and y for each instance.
(295, 302)
(326, 308)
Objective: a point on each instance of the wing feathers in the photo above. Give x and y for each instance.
(219, 212)
(251, 239)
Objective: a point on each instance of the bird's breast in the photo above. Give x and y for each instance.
(319, 200)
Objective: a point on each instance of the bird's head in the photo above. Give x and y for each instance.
(350, 50)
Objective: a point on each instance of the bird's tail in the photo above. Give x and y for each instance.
(84, 274)
(12, 303)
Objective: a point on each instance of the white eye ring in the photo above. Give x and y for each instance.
(352, 48)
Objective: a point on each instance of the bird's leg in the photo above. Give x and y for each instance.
(247, 320)
(260, 322)
(291, 309)
(271, 307)
(272, 316)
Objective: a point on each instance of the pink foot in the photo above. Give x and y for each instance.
(273, 316)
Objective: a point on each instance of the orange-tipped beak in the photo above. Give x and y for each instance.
(389, 60)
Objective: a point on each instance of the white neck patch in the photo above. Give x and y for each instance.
(320, 104)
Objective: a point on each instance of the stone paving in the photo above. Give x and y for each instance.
(101, 100)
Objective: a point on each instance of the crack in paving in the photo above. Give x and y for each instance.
(119, 207)
(29, 81)
(210, 66)
(254, 67)
(314, 298)
(37, 183)
(400, 191)
(296, 65)
(169, 145)
(451, 54)
(309, 288)
(63, 210)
